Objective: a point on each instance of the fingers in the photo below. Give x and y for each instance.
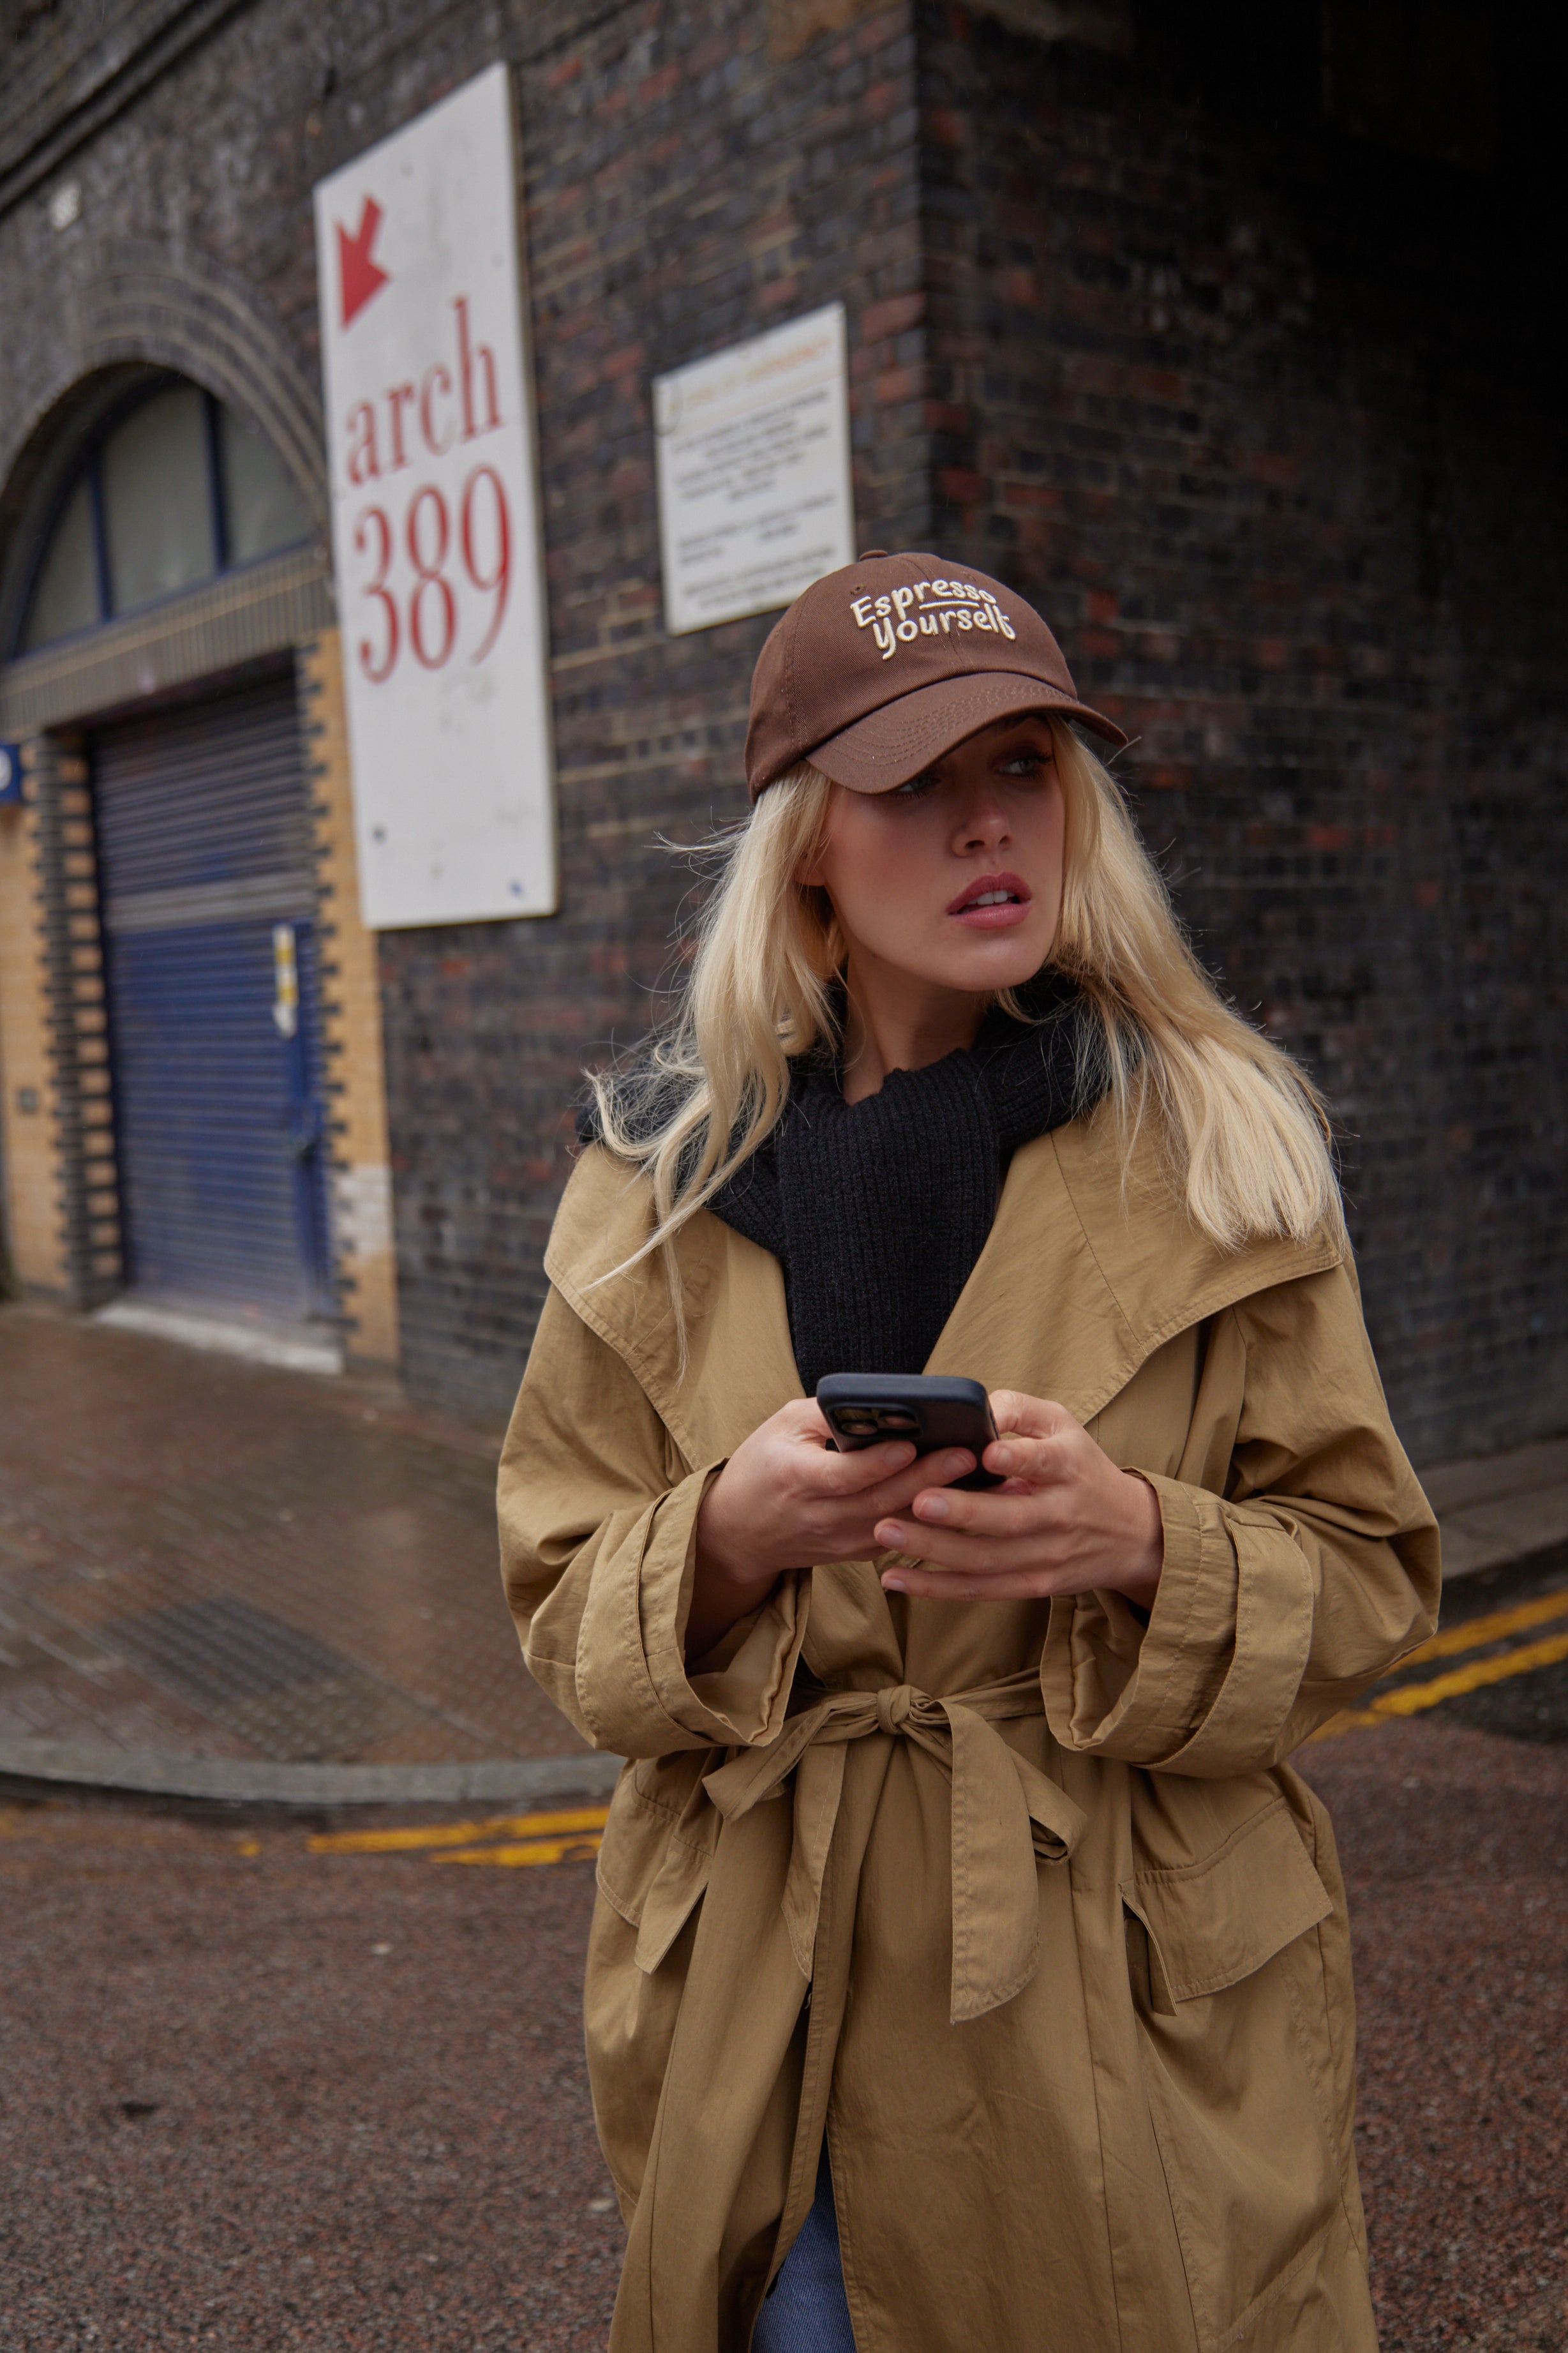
(1007, 1533)
(1037, 1439)
(1037, 1461)
(985, 1557)
(1029, 1416)
(994, 1513)
(889, 1478)
(851, 1474)
(802, 1418)
(926, 1584)
(931, 1470)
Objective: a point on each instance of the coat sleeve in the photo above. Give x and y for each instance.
(598, 1518)
(1301, 1557)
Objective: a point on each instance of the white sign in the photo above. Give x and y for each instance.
(754, 497)
(435, 531)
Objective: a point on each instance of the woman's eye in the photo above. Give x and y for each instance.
(917, 788)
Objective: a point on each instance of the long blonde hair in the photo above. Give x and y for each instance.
(1245, 1136)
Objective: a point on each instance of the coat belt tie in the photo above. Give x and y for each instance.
(1006, 1816)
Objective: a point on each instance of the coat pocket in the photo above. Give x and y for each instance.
(657, 1849)
(1212, 1922)
(1242, 2122)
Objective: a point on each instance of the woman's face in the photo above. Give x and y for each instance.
(955, 879)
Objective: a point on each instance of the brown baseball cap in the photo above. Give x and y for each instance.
(878, 670)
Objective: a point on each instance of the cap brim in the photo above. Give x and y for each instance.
(890, 745)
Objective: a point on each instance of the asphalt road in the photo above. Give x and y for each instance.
(259, 2092)
(257, 2097)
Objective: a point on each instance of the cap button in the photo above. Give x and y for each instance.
(868, 553)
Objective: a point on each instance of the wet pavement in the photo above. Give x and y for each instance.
(206, 1558)
(201, 1557)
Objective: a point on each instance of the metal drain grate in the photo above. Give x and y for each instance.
(215, 1651)
(293, 1696)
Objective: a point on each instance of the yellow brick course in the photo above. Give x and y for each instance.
(350, 1029)
(31, 1136)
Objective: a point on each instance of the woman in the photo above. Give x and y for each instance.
(969, 1969)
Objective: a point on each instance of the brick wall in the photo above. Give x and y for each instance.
(1268, 422)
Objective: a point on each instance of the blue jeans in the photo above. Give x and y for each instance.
(807, 2311)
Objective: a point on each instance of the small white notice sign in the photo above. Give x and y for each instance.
(435, 532)
(755, 496)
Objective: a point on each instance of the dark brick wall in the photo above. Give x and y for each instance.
(1268, 422)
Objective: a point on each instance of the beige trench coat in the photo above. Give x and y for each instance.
(1019, 1900)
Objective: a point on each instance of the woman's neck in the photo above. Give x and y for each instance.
(896, 1023)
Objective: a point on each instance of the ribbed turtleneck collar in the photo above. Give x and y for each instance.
(878, 1210)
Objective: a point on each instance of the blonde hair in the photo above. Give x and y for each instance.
(1244, 1135)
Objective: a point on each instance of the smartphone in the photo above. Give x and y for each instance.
(934, 1410)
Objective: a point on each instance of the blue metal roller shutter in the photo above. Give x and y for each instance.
(204, 850)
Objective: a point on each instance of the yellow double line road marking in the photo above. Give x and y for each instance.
(519, 1853)
(1470, 1634)
(572, 1835)
(1409, 1697)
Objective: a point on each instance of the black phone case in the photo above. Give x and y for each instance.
(946, 1409)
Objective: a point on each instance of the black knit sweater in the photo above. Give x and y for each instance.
(879, 1210)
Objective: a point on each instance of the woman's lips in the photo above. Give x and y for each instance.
(992, 902)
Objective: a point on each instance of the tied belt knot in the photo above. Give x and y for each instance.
(894, 1703)
(1007, 1816)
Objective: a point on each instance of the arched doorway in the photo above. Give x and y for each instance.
(206, 894)
(172, 488)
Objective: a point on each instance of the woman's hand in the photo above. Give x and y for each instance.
(1066, 1520)
(783, 1501)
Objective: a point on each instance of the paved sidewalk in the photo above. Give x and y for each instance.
(202, 1557)
(1501, 1507)
(221, 1578)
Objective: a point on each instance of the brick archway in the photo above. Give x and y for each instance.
(142, 309)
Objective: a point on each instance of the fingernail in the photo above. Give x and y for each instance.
(933, 1507)
(894, 1585)
(889, 1533)
(1001, 1458)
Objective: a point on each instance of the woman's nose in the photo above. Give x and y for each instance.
(984, 823)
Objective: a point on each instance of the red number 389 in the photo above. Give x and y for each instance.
(428, 616)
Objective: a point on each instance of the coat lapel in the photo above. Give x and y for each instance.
(739, 1366)
(1090, 1265)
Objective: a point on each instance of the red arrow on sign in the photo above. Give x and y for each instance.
(359, 275)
